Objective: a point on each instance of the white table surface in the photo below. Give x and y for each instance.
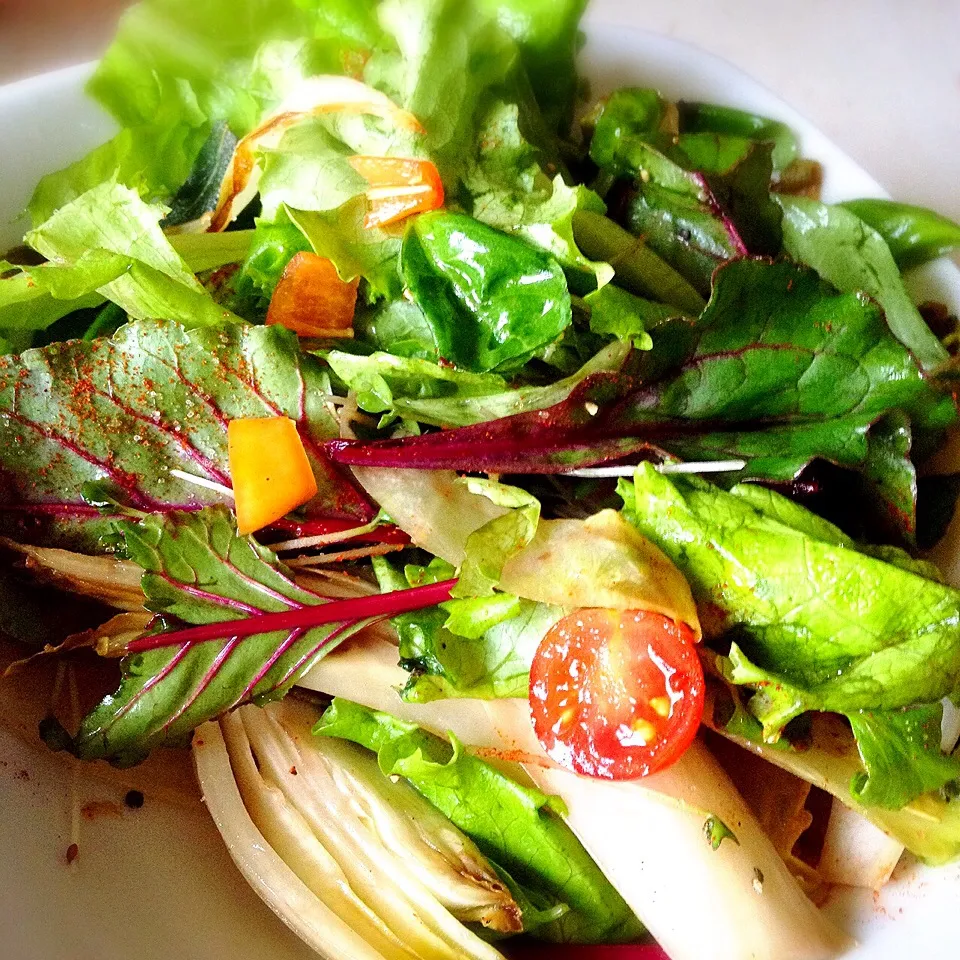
(880, 77)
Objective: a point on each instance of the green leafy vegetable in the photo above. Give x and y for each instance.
(480, 647)
(514, 826)
(447, 397)
(849, 253)
(197, 569)
(913, 234)
(696, 119)
(155, 397)
(828, 627)
(108, 240)
(489, 547)
(716, 831)
(901, 752)
(491, 299)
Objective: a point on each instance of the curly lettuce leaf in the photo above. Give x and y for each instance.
(109, 241)
(199, 570)
(517, 827)
(841, 631)
(123, 412)
(177, 69)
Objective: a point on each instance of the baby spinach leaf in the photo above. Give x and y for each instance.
(197, 569)
(491, 299)
(201, 190)
(515, 826)
(914, 235)
(852, 256)
(125, 411)
(833, 628)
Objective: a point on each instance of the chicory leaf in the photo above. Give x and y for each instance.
(125, 411)
(852, 256)
(843, 631)
(914, 235)
(491, 299)
(517, 827)
(199, 570)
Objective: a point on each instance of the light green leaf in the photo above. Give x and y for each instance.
(517, 827)
(843, 249)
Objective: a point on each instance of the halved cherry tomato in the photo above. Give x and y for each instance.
(616, 694)
(399, 188)
(312, 300)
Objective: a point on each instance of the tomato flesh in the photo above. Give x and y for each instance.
(616, 694)
(399, 188)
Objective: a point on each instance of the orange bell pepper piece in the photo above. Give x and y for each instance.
(312, 300)
(399, 188)
(270, 470)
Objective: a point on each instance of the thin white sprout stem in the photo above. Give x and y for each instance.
(323, 539)
(708, 466)
(202, 482)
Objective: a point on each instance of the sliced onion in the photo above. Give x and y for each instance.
(313, 96)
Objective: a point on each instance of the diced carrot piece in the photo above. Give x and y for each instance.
(399, 188)
(270, 470)
(312, 300)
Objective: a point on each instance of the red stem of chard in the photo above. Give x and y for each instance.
(377, 607)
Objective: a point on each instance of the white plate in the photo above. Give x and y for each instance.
(156, 883)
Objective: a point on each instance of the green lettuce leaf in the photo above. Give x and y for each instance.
(849, 253)
(109, 241)
(356, 250)
(199, 570)
(491, 299)
(178, 69)
(842, 631)
(914, 235)
(441, 396)
(480, 647)
(125, 411)
(517, 827)
(489, 547)
(901, 752)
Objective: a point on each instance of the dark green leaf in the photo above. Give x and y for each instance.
(913, 234)
(201, 190)
(711, 118)
(491, 299)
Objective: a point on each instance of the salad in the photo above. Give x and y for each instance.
(518, 502)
